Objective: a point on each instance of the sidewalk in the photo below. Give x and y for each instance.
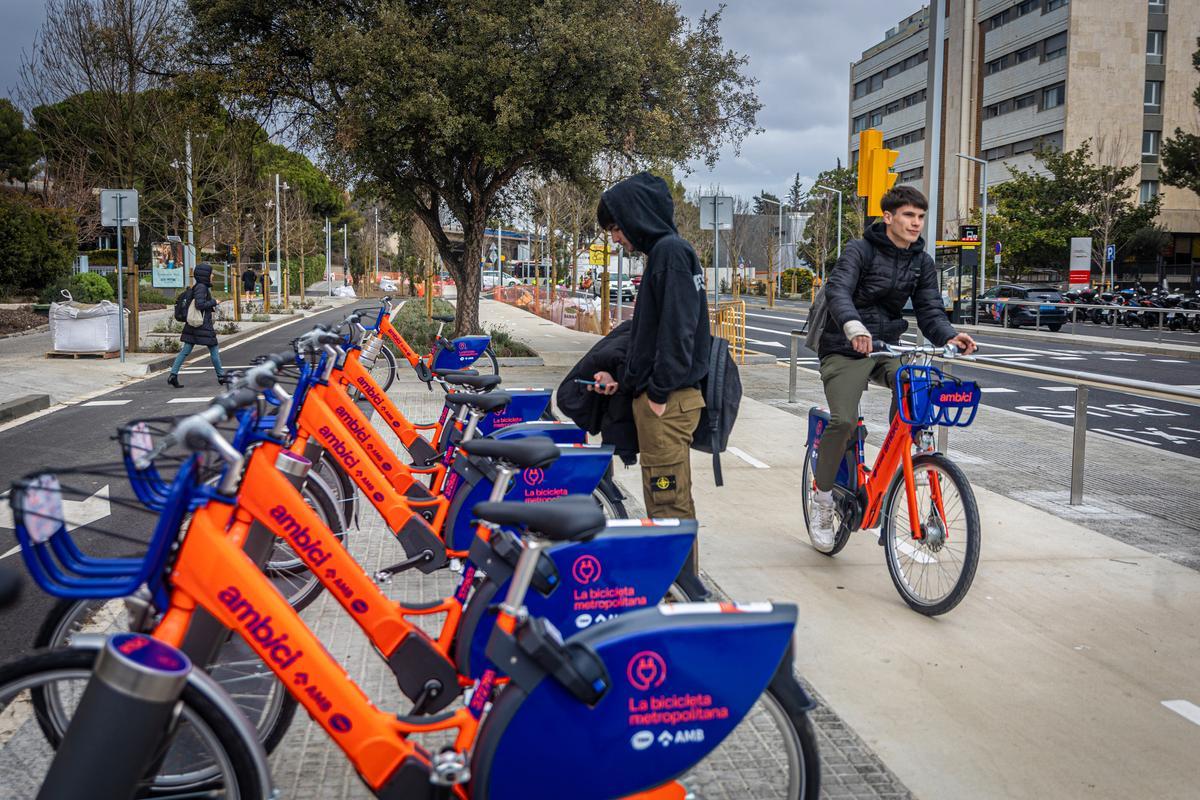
(1068, 643)
(28, 371)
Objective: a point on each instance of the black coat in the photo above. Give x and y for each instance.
(610, 416)
(249, 279)
(871, 283)
(202, 297)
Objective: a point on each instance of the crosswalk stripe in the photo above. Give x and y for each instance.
(189, 400)
(1067, 358)
(1109, 358)
(1170, 361)
(998, 390)
(106, 402)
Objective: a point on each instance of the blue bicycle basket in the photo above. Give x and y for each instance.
(930, 397)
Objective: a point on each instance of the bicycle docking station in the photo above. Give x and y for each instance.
(136, 683)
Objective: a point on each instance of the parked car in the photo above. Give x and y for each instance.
(993, 306)
(494, 277)
(626, 288)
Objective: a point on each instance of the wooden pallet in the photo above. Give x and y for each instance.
(90, 354)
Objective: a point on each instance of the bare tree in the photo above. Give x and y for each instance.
(106, 56)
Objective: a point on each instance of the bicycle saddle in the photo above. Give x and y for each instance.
(474, 381)
(566, 519)
(484, 402)
(535, 451)
(446, 373)
(443, 318)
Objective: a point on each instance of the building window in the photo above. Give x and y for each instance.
(1158, 6)
(1055, 47)
(1051, 141)
(905, 138)
(910, 175)
(1150, 145)
(1025, 101)
(1154, 47)
(1152, 101)
(1148, 192)
(1025, 146)
(1053, 5)
(1054, 96)
(860, 123)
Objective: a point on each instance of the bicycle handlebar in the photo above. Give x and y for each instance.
(886, 350)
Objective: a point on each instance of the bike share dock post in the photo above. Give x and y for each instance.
(1079, 440)
(121, 720)
(943, 432)
(793, 353)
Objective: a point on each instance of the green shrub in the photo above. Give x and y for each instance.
(165, 346)
(37, 243)
(168, 326)
(154, 296)
(260, 318)
(102, 258)
(504, 345)
(227, 328)
(85, 287)
(417, 329)
(798, 280)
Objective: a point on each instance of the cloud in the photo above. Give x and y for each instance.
(800, 52)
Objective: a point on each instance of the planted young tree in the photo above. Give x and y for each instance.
(19, 149)
(1180, 155)
(819, 245)
(446, 103)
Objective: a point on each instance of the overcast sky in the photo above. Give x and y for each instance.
(799, 50)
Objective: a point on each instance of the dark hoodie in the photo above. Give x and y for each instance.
(669, 340)
(871, 283)
(202, 297)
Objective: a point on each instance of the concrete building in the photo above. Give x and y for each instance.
(1027, 74)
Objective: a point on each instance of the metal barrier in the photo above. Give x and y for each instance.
(1082, 381)
(1073, 316)
(728, 320)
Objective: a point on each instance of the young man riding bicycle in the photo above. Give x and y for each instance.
(865, 295)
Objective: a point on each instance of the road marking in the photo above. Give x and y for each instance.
(1169, 361)
(1109, 358)
(106, 402)
(1057, 388)
(767, 344)
(770, 316)
(913, 553)
(1185, 709)
(1130, 438)
(190, 400)
(997, 390)
(1067, 358)
(749, 459)
(767, 330)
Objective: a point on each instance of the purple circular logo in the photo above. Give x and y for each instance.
(359, 607)
(149, 652)
(340, 723)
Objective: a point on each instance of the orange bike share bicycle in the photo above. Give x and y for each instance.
(920, 500)
(644, 697)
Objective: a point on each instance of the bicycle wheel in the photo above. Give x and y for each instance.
(808, 487)
(258, 693)
(934, 573)
(287, 572)
(487, 364)
(610, 499)
(204, 752)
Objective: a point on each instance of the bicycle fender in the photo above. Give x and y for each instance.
(681, 679)
(559, 432)
(467, 350)
(526, 405)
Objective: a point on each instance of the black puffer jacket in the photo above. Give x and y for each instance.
(871, 283)
(202, 297)
(611, 416)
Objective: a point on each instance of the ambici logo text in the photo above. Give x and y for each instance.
(586, 569)
(647, 670)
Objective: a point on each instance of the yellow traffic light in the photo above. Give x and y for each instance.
(880, 179)
(869, 141)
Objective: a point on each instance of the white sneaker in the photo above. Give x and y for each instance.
(821, 520)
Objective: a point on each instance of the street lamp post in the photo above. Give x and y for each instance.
(285, 266)
(345, 255)
(278, 249)
(839, 224)
(329, 257)
(983, 212)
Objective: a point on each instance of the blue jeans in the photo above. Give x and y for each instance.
(214, 352)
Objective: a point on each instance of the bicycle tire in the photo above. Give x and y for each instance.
(199, 720)
(610, 499)
(345, 490)
(286, 571)
(493, 363)
(896, 501)
(806, 489)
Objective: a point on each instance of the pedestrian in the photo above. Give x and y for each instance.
(249, 279)
(865, 294)
(203, 302)
(669, 341)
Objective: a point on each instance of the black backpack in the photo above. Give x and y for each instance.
(722, 390)
(182, 301)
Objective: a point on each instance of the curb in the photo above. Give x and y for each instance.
(166, 361)
(521, 361)
(753, 357)
(27, 404)
(26, 332)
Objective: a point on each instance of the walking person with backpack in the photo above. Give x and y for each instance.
(863, 301)
(194, 308)
(669, 341)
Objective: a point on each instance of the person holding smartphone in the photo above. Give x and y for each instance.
(669, 340)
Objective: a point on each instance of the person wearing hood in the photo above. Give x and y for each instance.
(669, 341)
(865, 295)
(204, 334)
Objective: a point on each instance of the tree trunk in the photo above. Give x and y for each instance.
(467, 279)
(134, 342)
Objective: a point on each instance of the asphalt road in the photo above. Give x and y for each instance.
(83, 434)
(1158, 423)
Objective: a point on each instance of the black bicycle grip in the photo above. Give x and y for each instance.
(10, 587)
(238, 398)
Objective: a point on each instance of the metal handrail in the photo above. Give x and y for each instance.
(1086, 307)
(1082, 381)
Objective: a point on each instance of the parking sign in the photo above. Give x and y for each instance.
(1110, 253)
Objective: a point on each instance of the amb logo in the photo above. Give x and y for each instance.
(646, 670)
(586, 569)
